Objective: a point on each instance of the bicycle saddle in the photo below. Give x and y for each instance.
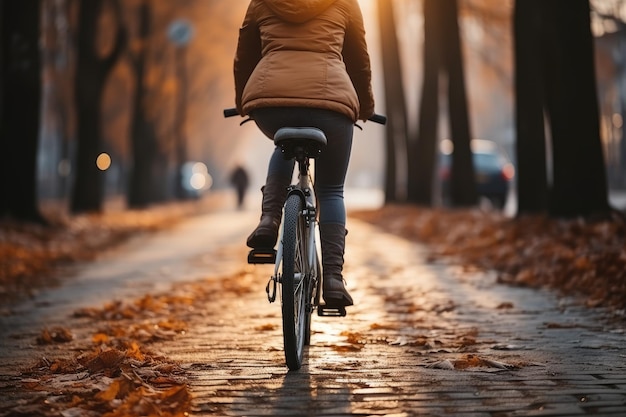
(311, 139)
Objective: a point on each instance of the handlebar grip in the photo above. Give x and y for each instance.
(231, 112)
(378, 118)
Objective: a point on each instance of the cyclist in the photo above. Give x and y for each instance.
(304, 63)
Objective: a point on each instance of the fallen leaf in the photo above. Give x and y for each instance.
(445, 364)
(54, 335)
(266, 327)
(111, 392)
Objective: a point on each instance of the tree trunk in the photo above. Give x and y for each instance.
(395, 105)
(180, 116)
(91, 75)
(562, 81)
(424, 152)
(532, 179)
(20, 112)
(462, 178)
(622, 144)
(580, 183)
(141, 191)
(442, 56)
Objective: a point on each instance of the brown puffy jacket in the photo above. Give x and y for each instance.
(308, 53)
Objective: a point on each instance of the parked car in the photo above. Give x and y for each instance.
(494, 171)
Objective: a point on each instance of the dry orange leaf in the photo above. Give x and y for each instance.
(55, 335)
(110, 393)
(100, 338)
(266, 327)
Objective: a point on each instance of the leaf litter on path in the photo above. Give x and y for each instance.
(575, 257)
(113, 371)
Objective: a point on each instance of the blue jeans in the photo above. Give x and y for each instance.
(330, 167)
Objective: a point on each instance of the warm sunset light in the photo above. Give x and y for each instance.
(468, 257)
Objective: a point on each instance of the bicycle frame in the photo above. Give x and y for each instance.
(306, 192)
(304, 189)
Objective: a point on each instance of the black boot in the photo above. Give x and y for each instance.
(274, 194)
(333, 239)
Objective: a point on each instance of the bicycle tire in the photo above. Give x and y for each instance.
(313, 291)
(295, 283)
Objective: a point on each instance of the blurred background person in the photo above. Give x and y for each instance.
(239, 179)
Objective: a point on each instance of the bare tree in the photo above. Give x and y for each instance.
(423, 153)
(532, 179)
(462, 179)
(142, 190)
(397, 130)
(560, 79)
(443, 62)
(93, 69)
(20, 109)
(572, 105)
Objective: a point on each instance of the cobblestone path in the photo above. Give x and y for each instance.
(424, 338)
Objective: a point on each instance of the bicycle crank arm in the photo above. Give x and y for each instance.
(270, 288)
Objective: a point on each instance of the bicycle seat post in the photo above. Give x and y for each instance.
(303, 161)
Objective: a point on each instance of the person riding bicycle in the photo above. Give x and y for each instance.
(304, 63)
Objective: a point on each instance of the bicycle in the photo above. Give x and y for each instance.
(296, 260)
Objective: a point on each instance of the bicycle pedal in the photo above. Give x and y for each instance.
(331, 311)
(262, 256)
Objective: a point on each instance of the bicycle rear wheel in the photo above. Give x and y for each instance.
(295, 283)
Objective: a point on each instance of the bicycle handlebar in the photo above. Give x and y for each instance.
(376, 118)
(231, 112)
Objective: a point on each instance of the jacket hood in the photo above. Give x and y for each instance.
(298, 11)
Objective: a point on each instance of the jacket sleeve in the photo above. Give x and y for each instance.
(248, 54)
(357, 62)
